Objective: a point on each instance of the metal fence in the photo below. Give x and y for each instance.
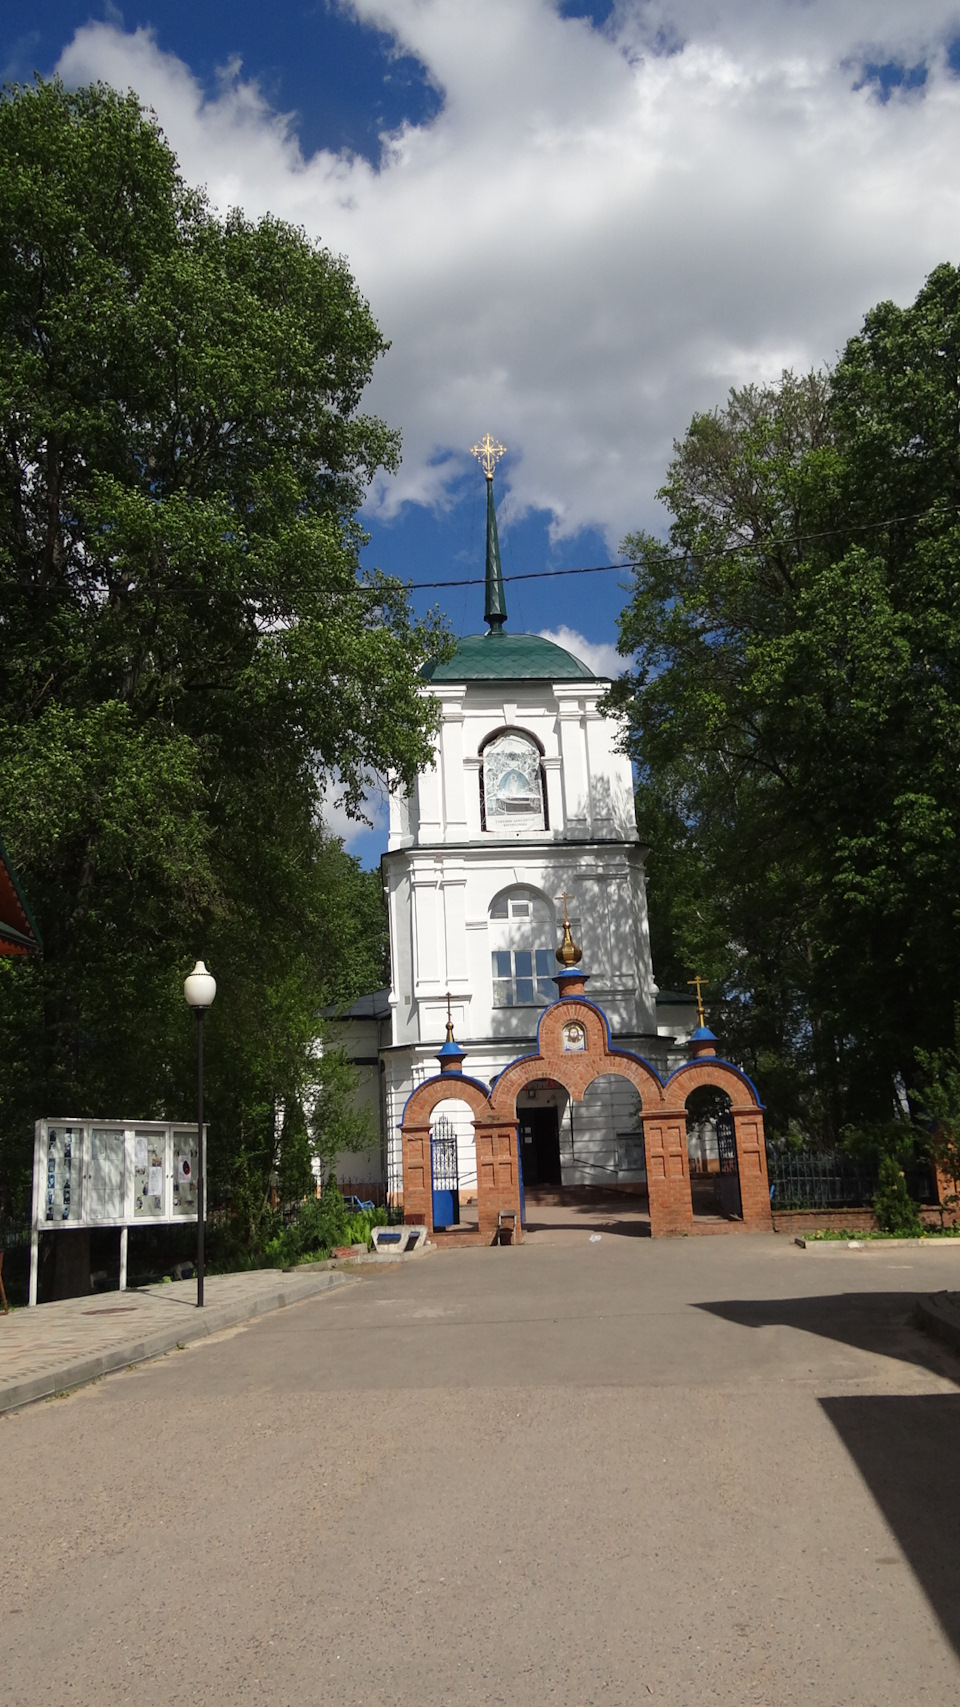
(831, 1179)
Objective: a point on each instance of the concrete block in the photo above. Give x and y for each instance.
(398, 1241)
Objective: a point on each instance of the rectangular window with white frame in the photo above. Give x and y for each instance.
(523, 977)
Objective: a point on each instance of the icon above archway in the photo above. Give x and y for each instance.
(574, 1038)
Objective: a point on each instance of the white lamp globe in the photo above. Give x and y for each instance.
(200, 987)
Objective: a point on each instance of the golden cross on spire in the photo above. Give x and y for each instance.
(698, 983)
(488, 453)
(449, 1020)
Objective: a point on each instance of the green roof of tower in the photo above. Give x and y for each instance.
(499, 657)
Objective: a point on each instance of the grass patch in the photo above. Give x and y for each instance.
(845, 1234)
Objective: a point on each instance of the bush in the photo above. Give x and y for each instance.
(321, 1224)
(895, 1209)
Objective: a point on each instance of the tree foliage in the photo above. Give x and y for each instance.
(191, 660)
(794, 711)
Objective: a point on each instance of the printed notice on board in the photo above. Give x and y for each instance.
(155, 1185)
(140, 1152)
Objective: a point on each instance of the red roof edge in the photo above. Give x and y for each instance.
(18, 931)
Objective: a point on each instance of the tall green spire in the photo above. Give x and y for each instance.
(488, 453)
(495, 602)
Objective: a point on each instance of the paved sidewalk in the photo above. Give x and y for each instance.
(58, 1346)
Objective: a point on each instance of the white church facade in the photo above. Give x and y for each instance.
(526, 811)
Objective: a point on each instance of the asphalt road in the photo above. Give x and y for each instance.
(710, 1471)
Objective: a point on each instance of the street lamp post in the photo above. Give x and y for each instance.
(199, 988)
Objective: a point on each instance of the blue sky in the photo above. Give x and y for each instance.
(576, 224)
(346, 83)
(337, 76)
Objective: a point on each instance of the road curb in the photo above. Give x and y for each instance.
(80, 1371)
(940, 1318)
(840, 1246)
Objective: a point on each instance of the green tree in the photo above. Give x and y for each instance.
(191, 661)
(895, 1209)
(795, 711)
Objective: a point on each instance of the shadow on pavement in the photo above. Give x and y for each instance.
(878, 1322)
(586, 1209)
(588, 1224)
(904, 1447)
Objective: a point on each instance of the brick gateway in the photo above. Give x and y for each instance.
(573, 1047)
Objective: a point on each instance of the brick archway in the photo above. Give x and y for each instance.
(415, 1139)
(574, 1047)
(747, 1111)
(573, 1067)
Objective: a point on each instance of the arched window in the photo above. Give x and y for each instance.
(522, 933)
(511, 784)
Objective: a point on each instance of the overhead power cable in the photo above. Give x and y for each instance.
(729, 551)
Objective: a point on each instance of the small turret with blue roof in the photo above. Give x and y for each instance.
(496, 656)
(450, 1055)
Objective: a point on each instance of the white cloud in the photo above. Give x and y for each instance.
(350, 830)
(602, 659)
(594, 237)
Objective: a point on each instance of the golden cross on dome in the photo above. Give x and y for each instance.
(699, 983)
(488, 453)
(449, 1020)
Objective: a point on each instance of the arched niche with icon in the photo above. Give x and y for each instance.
(110, 1173)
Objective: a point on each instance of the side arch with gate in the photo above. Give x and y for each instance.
(746, 1116)
(416, 1141)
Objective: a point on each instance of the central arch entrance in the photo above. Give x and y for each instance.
(605, 1137)
(583, 1162)
(541, 1108)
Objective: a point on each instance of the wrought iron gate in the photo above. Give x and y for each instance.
(729, 1171)
(446, 1179)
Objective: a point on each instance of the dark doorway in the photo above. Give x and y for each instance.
(540, 1146)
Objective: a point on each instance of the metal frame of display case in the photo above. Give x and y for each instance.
(105, 1173)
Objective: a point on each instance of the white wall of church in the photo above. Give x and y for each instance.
(601, 1141)
(589, 785)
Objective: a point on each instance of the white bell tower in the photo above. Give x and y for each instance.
(528, 799)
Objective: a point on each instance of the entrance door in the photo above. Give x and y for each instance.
(540, 1146)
